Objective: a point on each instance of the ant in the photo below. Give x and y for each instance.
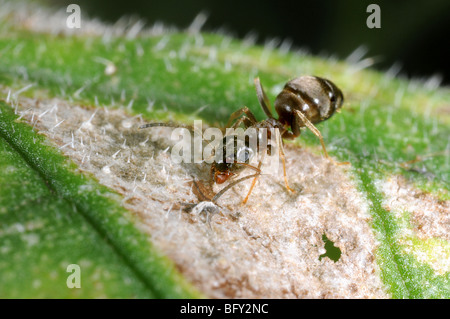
(303, 102)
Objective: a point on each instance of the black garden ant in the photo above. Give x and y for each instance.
(303, 102)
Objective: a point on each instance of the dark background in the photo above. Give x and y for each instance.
(414, 34)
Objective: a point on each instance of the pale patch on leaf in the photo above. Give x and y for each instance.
(272, 247)
(424, 222)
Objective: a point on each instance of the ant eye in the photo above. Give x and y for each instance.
(332, 98)
(244, 154)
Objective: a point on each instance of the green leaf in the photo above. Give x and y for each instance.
(51, 215)
(109, 210)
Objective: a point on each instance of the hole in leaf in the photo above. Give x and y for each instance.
(332, 252)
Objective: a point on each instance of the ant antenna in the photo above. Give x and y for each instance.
(223, 190)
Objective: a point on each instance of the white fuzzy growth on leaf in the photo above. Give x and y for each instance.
(423, 218)
(267, 248)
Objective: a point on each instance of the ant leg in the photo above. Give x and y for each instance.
(250, 166)
(283, 158)
(198, 191)
(262, 98)
(313, 129)
(254, 180)
(317, 133)
(219, 194)
(245, 110)
(247, 122)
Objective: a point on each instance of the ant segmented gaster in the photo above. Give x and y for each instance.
(303, 102)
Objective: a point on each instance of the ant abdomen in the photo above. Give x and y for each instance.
(317, 98)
